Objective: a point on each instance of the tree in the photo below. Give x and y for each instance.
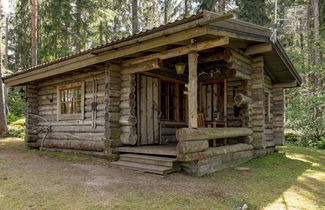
(253, 11)
(3, 124)
(34, 5)
(135, 21)
(166, 2)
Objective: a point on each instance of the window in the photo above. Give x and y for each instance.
(172, 102)
(71, 101)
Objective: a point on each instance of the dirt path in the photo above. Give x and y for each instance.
(59, 181)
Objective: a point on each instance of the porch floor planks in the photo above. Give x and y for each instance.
(168, 150)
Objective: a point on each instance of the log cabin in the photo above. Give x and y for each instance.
(199, 94)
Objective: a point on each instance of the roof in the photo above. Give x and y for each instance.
(204, 23)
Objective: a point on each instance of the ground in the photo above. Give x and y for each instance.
(294, 178)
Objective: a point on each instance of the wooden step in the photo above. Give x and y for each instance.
(162, 170)
(148, 159)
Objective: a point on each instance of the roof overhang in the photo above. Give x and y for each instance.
(203, 24)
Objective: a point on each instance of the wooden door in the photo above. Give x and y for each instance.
(148, 100)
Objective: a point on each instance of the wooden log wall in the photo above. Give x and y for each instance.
(87, 134)
(268, 106)
(278, 115)
(113, 91)
(168, 131)
(241, 63)
(127, 106)
(258, 100)
(32, 138)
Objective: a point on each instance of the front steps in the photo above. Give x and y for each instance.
(148, 163)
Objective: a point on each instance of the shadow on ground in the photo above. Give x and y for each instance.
(291, 179)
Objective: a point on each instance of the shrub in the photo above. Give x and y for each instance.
(17, 128)
(12, 118)
(291, 136)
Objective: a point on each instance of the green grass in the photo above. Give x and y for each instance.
(294, 178)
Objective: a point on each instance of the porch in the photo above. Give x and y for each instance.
(197, 113)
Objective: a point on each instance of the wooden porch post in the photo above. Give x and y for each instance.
(192, 89)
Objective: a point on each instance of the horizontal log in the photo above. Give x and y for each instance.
(130, 104)
(128, 112)
(75, 136)
(192, 146)
(128, 120)
(286, 85)
(73, 144)
(129, 129)
(214, 151)
(258, 48)
(72, 123)
(78, 129)
(128, 138)
(241, 99)
(180, 51)
(127, 96)
(145, 66)
(211, 133)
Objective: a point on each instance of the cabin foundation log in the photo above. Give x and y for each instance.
(192, 146)
(188, 134)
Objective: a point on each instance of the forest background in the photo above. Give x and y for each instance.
(36, 31)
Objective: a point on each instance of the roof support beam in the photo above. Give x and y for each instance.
(286, 85)
(141, 67)
(89, 59)
(258, 49)
(180, 51)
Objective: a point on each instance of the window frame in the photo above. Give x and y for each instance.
(77, 116)
(178, 101)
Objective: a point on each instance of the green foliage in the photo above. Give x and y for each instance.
(253, 11)
(291, 136)
(17, 102)
(17, 128)
(12, 118)
(304, 106)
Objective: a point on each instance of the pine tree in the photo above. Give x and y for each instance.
(135, 21)
(3, 124)
(34, 4)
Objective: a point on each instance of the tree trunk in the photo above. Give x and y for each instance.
(135, 22)
(166, 11)
(5, 89)
(185, 8)
(222, 6)
(3, 124)
(78, 28)
(34, 32)
(317, 53)
(101, 33)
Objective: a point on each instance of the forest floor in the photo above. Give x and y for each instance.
(294, 178)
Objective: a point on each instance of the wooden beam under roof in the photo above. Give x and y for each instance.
(89, 59)
(258, 49)
(180, 51)
(286, 85)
